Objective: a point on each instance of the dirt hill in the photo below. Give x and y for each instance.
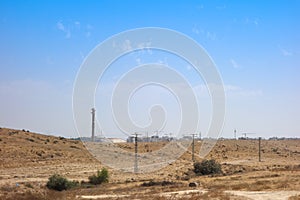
(28, 159)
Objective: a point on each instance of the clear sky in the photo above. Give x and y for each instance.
(254, 44)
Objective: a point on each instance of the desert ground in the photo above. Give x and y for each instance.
(28, 159)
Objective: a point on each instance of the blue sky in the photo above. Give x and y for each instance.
(255, 45)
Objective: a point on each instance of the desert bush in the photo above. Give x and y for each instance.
(159, 183)
(59, 183)
(101, 177)
(207, 167)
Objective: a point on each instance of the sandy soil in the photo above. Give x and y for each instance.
(28, 159)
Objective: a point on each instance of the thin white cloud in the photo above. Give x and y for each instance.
(60, 26)
(88, 34)
(208, 34)
(88, 31)
(254, 21)
(211, 35)
(77, 24)
(229, 88)
(145, 46)
(234, 63)
(196, 30)
(126, 45)
(221, 7)
(74, 27)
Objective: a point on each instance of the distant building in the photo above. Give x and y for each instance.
(154, 138)
(116, 140)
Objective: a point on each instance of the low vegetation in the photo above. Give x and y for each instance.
(157, 183)
(207, 167)
(101, 177)
(60, 183)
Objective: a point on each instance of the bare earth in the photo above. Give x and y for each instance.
(28, 159)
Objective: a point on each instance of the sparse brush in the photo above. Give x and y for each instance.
(101, 177)
(59, 183)
(207, 167)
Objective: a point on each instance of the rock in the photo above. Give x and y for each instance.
(193, 184)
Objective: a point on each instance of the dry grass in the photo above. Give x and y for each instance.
(29, 159)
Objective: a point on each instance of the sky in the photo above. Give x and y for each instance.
(254, 45)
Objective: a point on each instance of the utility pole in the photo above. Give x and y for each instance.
(259, 149)
(200, 135)
(135, 152)
(193, 147)
(93, 124)
(234, 134)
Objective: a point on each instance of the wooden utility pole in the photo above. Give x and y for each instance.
(93, 124)
(259, 149)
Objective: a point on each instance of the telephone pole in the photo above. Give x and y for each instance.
(193, 147)
(259, 149)
(234, 134)
(135, 169)
(93, 124)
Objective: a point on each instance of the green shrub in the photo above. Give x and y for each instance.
(101, 177)
(207, 167)
(59, 183)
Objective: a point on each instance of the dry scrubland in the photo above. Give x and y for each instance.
(28, 159)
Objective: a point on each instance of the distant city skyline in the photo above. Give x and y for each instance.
(255, 46)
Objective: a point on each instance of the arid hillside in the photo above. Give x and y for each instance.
(28, 159)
